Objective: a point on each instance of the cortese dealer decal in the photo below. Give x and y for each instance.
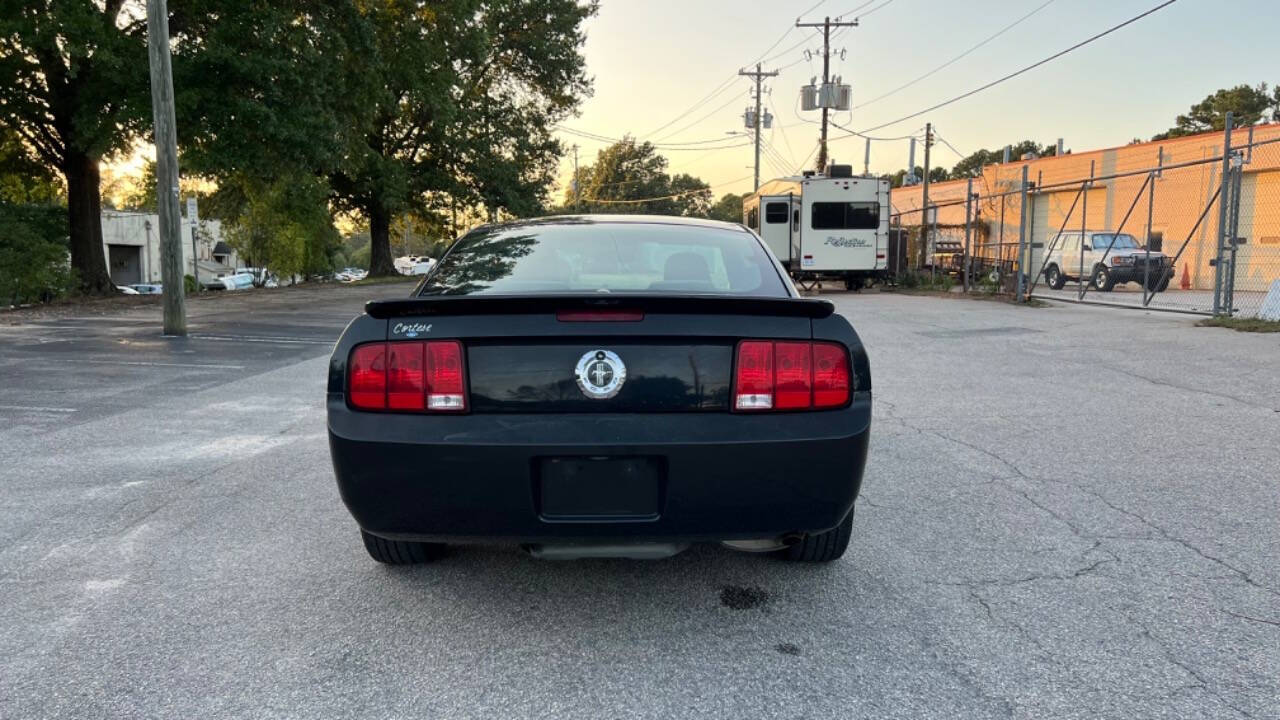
(410, 329)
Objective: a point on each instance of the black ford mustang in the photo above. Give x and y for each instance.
(601, 386)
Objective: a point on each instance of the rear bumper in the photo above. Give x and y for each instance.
(473, 477)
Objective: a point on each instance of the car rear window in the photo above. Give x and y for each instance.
(605, 257)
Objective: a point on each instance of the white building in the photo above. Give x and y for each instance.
(131, 243)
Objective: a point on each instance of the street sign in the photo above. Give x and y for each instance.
(193, 215)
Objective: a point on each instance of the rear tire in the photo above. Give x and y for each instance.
(400, 552)
(823, 546)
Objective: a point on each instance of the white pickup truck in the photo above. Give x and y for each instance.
(1105, 259)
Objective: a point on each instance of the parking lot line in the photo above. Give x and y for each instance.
(283, 340)
(34, 408)
(201, 366)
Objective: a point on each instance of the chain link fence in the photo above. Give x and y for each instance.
(1184, 227)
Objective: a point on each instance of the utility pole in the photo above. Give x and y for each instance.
(924, 222)
(826, 26)
(759, 76)
(166, 139)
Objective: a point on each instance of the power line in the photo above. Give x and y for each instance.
(718, 90)
(701, 119)
(955, 59)
(915, 134)
(1026, 69)
(661, 146)
(727, 82)
(865, 14)
(951, 147)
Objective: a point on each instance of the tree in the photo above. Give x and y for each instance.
(74, 89)
(285, 226)
(631, 177)
(972, 165)
(33, 226)
(728, 208)
(1249, 105)
(466, 93)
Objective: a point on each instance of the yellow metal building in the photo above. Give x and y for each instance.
(1181, 193)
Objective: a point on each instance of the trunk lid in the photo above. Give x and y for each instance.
(537, 354)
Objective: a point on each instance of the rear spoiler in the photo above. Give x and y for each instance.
(815, 308)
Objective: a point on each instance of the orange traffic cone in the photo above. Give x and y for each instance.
(1186, 278)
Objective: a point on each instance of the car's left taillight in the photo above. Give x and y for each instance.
(408, 377)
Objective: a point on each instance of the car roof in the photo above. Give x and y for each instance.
(571, 220)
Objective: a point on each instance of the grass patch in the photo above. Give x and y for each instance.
(1255, 325)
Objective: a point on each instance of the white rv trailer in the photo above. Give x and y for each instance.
(824, 226)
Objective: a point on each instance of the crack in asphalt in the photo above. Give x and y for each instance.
(1163, 533)
(1200, 680)
(1250, 618)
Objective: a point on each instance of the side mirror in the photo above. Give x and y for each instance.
(1085, 247)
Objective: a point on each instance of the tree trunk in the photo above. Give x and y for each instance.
(84, 213)
(380, 262)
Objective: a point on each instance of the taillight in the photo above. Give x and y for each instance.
(411, 376)
(368, 376)
(830, 375)
(793, 375)
(753, 389)
(405, 378)
(788, 375)
(446, 385)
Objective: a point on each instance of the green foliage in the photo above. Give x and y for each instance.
(75, 75)
(23, 178)
(285, 227)
(728, 208)
(189, 283)
(360, 257)
(75, 89)
(628, 171)
(265, 89)
(142, 197)
(972, 165)
(33, 253)
(1250, 106)
(464, 97)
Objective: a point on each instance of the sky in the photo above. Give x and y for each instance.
(652, 60)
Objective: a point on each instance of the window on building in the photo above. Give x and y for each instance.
(846, 216)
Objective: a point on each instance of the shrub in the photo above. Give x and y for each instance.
(34, 264)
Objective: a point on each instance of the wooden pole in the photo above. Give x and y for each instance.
(166, 139)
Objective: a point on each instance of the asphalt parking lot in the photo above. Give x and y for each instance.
(1068, 512)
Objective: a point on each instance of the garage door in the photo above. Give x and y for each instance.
(125, 263)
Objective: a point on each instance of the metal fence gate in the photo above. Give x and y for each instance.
(1196, 235)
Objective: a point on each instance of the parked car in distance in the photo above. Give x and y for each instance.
(601, 386)
(1105, 259)
(148, 288)
(126, 290)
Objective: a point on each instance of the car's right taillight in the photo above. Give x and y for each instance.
(408, 377)
(790, 375)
